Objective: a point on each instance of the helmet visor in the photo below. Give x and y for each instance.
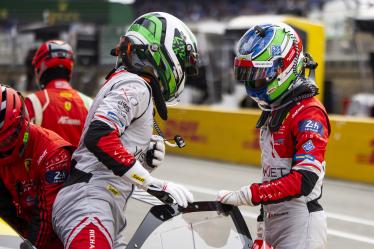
(257, 74)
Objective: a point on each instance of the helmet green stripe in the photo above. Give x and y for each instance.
(161, 51)
(151, 32)
(280, 89)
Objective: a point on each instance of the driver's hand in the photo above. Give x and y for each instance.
(243, 196)
(164, 191)
(156, 152)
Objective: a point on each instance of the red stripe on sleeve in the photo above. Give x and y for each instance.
(111, 145)
(277, 190)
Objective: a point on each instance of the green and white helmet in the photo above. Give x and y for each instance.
(161, 46)
(269, 60)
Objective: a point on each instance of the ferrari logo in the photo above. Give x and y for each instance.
(67, 105)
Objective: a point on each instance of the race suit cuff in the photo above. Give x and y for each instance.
(138, 175)
(256, 199)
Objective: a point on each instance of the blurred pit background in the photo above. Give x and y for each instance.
(216, 117)
(94, 27)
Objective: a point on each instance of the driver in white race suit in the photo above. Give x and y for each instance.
(156, 53)
(294, 133)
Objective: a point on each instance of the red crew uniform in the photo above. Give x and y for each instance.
(29, 185)
(57, 106)
(60, 108)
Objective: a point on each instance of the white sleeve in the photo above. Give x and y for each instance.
(122, 105)
(87, 101)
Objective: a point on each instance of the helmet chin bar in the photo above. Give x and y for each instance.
(178, 140)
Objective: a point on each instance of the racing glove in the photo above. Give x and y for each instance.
(163, 190)
(237, 198)
(156, 152)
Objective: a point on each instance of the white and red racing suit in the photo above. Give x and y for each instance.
(29, 185)
(293, 167)
(59, 108)
(89, 211)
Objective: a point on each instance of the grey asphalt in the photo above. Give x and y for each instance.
(349, 206)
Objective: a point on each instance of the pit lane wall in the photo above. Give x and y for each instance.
(231, 136)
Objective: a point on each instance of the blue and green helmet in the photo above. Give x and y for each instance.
(269, 59)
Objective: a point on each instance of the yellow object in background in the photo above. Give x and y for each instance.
(231, 136)
(314, 43)
(350, 152)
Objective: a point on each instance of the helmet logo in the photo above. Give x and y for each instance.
(179, 46)
(291, 55)
(271, 90)
(275, 50)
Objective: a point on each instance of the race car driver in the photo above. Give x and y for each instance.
(57, 106)
(294, 133)
(155, 53)
(34, 163)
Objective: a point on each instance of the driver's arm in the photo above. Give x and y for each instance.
(116, 112)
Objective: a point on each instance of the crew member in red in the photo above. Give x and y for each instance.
(34, 163)
(57, 106)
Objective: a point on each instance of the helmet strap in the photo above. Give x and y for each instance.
(157, 96)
